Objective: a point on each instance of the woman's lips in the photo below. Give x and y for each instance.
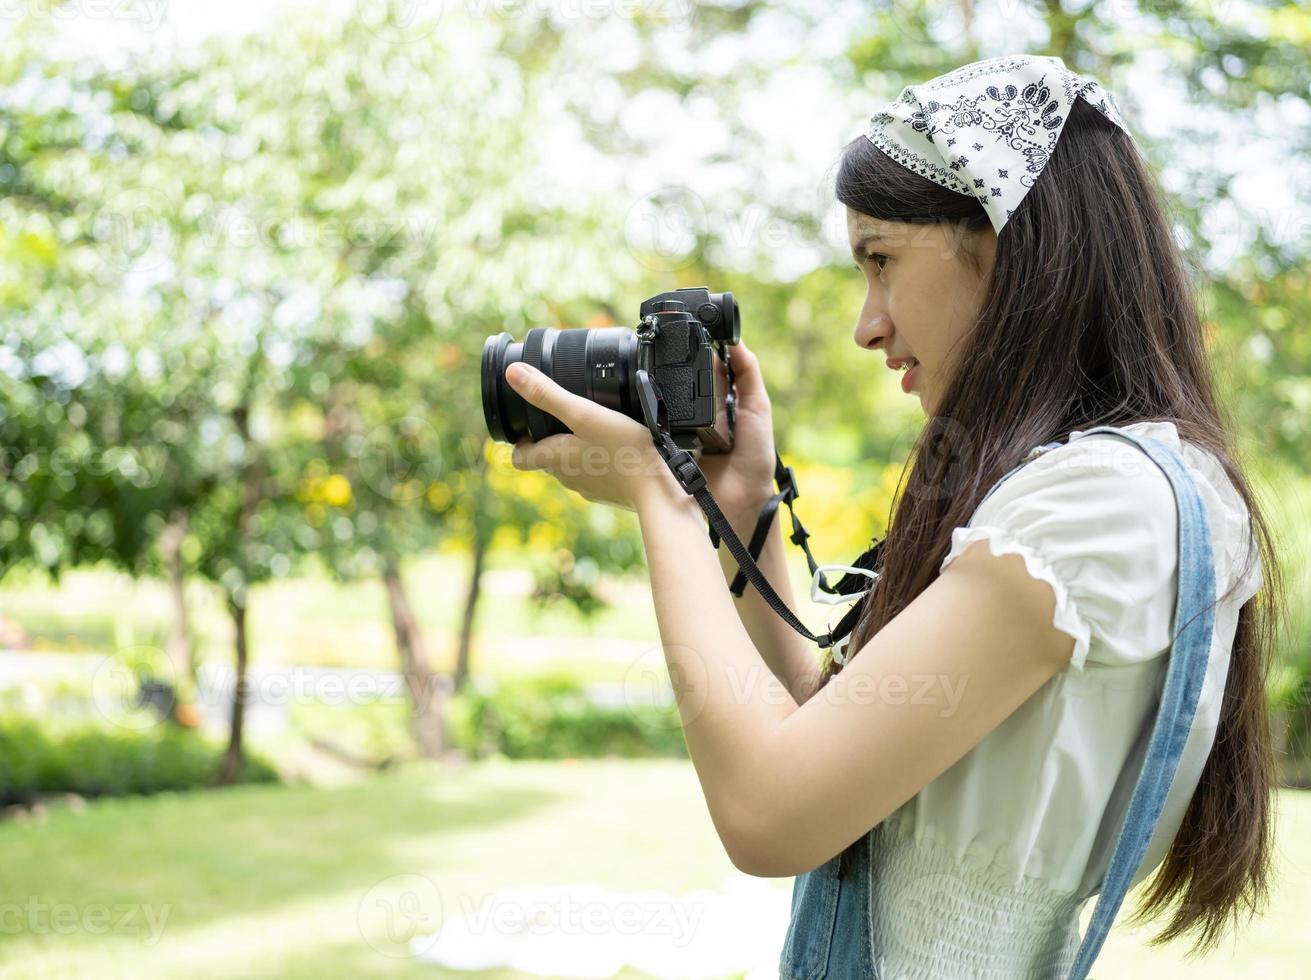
(908, 378)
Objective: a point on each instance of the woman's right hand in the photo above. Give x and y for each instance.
(743, 479)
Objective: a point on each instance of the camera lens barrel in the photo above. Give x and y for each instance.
(598, 363)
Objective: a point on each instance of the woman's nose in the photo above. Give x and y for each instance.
(869, 331)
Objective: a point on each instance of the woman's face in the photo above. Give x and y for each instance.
(923, 295)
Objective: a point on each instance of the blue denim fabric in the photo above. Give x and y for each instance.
(829, 934)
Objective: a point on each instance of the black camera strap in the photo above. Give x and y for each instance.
(787, 493)
(693, 481)
(847, 585)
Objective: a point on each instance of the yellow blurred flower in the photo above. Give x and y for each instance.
(544, 537)
(336, 490)
(333, 490)
(439, 496)
(841, 518)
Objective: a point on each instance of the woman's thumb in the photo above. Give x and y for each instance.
(743, 361)
(746, 371)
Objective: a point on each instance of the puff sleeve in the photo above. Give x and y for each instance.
(1103, 535)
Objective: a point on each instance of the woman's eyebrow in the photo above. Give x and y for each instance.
(860, 251)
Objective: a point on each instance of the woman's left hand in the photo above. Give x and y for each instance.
(607, 457)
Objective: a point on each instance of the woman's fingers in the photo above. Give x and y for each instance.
(542, 455)
(537, 389)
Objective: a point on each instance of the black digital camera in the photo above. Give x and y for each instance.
(661, 374)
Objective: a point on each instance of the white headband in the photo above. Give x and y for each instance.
(987, 129)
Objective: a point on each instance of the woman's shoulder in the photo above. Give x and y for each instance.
(1128, 468)
(1100, 529)
(1085, 466)
(1098, 519)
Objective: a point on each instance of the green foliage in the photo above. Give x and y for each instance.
(549, 716)
(250, 286)
(265, 290)
(40, 756)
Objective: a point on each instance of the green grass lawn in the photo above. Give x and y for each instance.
(270, 881)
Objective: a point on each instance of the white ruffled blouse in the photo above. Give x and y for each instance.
(984, 870)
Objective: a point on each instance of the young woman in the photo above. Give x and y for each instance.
(987, 757)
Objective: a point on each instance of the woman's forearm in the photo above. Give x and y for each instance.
(729, 699)
(789, 655)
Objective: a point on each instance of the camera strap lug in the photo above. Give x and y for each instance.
(649, 399)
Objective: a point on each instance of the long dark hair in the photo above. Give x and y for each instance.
(1088, 319)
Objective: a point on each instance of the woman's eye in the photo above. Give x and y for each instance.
(878, 258)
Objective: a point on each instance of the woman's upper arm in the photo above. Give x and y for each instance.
(926, 688)
(1072, 558)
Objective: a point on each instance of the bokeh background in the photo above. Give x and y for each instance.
(249, 253)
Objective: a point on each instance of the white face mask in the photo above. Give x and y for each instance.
(816, 595)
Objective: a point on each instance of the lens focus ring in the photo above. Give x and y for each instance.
(569, 361)
(532, 347)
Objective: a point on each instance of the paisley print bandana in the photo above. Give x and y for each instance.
(988, 128)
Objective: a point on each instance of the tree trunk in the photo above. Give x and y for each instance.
(180, 649)
(427, 692)
(252, 478)
(482, 535)
(233, 759)
(971, 42)
(461, 673)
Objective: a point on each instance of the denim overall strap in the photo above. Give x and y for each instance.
(1034, 453)
(1194, 618)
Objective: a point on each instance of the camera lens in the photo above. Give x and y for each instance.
(598, 363)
